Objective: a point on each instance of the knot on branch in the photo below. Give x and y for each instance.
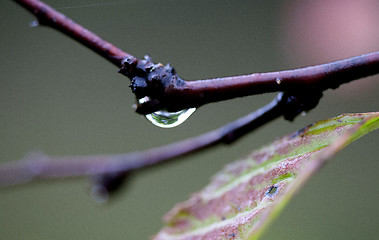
(149, 79)
(295, 103)
(106, 184)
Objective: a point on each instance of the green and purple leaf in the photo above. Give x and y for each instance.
(247, 194)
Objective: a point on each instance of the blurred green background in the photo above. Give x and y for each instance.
(58, 97)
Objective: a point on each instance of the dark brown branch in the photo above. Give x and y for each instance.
(188, 94)
(48, 16)
(39, 166)
(165, 90)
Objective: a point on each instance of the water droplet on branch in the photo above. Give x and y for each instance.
(278, 81)
(166, 119)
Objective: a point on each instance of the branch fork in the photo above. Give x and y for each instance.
(159, 87)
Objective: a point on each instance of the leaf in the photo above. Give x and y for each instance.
(248, 194)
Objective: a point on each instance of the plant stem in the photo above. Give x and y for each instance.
(196, 93)
(40, 166)
(316, 78)
(48, 16)
(320, 77)
(302, 90)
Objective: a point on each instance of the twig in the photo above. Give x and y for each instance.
(165, 90)
(40, 166)
(176, 94)
(48, 16)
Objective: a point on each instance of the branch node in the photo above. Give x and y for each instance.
(295, 103)
(149, 80)
(106, 184)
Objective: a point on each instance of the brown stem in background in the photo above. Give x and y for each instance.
(39, 166)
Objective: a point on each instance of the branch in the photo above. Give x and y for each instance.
(162, 88)
(165, 90)
(39, 166)
(48, 16)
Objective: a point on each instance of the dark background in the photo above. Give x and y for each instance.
(58, 97)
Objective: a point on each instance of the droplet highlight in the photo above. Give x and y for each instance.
(34, 23)
(303, 113)
(166, 119)
(278, 81)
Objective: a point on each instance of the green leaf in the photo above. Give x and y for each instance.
(248, 194)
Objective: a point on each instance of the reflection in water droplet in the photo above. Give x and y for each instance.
(34, 23)
(303, 113)
(166, 119)
(278, 81)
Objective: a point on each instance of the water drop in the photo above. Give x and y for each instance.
(34, 23)
(303, 113)
(166, 119)
(278, 81)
